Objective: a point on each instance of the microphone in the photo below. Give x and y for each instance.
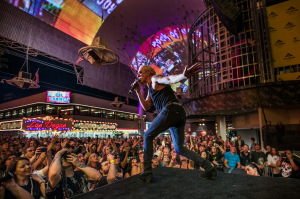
(134, 85)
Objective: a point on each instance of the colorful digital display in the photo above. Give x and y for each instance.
(80, 19)
(168, 53)
(62, 97)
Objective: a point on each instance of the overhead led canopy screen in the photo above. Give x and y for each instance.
(80, 19)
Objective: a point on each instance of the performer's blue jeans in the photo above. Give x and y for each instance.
(172, 117)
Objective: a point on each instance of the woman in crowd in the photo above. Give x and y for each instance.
(166, 161)
(7, 161)
(94, 161)
(175, 160)
(133, 168)
(252, 170)
(273, 157)
(32, 183)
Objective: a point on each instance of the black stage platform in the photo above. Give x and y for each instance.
(180, 183)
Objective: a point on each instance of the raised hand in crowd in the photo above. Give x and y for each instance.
(53, 142)
(17, 191)
(65, 143)
(112, 172)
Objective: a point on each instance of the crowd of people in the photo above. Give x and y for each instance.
(63, 167)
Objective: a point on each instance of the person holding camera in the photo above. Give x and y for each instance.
(64, 182)
(109, 171)
(216, 157)
(21, 172)
(289, 165)
(133, 168)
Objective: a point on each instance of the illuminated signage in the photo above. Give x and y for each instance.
(58, 97)
(95, 126)
(80, 19)
(46, 124)
(102, 7)
(15, 125)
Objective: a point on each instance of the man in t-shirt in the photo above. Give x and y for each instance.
(259, 158)
(108, 171)
(232, 160)
(290, 167)
(66, 183)
(245, 156)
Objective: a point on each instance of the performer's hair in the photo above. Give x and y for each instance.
(150, 69)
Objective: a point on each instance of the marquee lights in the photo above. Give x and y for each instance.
(91, 125)
(47, 123)
(61, 125)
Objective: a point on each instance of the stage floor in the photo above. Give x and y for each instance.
(180, 183)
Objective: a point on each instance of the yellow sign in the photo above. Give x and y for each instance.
(284, 29)
(289, 76)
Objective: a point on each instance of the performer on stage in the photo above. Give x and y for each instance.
(171, 116)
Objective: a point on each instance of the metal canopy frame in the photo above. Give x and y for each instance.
(79, 70)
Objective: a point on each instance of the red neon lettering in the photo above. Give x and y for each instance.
(55, 126)
(34, 125)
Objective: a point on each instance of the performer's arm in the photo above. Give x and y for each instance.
(172, 79)
(146, 104)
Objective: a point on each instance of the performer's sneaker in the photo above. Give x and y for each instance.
(210, 174)
(145, 176)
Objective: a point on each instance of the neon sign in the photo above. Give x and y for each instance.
(13, 125)
(46, 125)
(58, 97)
(102, 7)
(95, 126)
